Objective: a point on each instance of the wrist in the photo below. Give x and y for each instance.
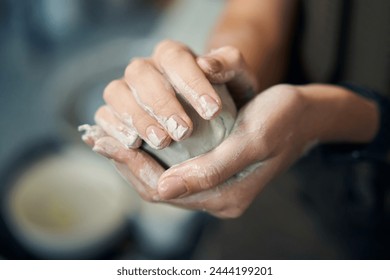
(336, 114)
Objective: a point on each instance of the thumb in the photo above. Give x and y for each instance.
(205, 171)
(227, 65)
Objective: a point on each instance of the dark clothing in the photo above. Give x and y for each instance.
(337, 41)
(345, 40)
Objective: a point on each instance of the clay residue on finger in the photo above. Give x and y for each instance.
(207, 105)
(149, 176)
(91, 133)
(177, 131)
(199, 198)
(145, 192)
(110, 148)
(125, 135)
(247, 171)
(153, 138)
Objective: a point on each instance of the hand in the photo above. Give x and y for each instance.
(144, 103)
(270, 133)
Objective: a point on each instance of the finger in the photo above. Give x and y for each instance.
(91, 133)
(206, 171)
(227, 65)
(119, 97)
(241, 189)
(222, 201)
(231, 198)
(178, 64)
(111, 148)
(155, 95)
(107, 120)
(136, 166)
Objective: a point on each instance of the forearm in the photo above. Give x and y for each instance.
(339, 115)
(261, 30)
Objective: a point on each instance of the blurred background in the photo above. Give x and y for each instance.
(60, 200)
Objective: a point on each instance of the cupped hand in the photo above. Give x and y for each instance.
(270, 133)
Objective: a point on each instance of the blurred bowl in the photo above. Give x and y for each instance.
(65, 204)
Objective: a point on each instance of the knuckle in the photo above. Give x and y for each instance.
(163, 44)
(167, 45)
(100, 112)
(283, 89)
(231, 209)
(211, 177)
(110, 90)
(170, 55)
(232, 213)
(136, 65)
(226, 213)
(173, 55)
(230, 205)
(290, 94)
(233, 53)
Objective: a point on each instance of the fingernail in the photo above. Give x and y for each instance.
(101, 151)
(177, 127)
(127, 137)
(172, 187)
(209, 106)
(156, 136)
